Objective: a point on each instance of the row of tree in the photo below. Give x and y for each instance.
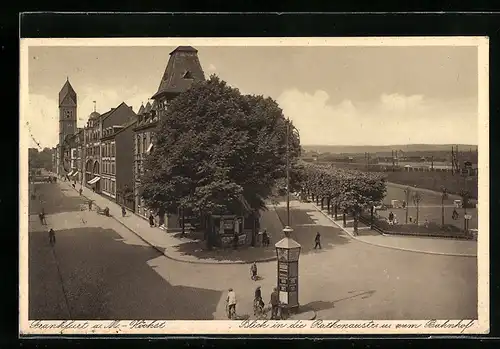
(345, 190)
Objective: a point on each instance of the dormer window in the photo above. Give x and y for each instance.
(187, 75)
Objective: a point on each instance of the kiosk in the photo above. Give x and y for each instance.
(287, 252)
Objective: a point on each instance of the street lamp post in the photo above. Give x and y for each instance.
(288, 252)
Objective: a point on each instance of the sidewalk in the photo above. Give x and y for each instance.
(175, 247)
(446, 247)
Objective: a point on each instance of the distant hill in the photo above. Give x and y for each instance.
(384, 149)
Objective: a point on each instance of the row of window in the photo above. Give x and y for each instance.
(142, 142)
(108, 150)
(93, 151)
(108, 186)
(108, 167)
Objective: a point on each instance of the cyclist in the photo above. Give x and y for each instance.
(258, 303)
(231, 304)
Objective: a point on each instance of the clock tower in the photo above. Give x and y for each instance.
(67, 117)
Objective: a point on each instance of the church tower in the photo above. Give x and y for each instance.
(67, 115)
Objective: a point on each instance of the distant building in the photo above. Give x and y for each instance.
(183, 68)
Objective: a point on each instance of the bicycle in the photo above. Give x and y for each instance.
(230, 312)
(258, 309)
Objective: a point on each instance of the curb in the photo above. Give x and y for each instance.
(393, 247)
(263, 260)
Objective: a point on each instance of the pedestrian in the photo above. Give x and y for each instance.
(52, 237)
(231, 303)
(151, 220)
(43, 221)
(124, 212)
(275, 302)
(253, 271)
(80, 191)
(235, 241)
(90, 205)
(410, 218)
(265, 238)
(73, 184)
(404, 204)
(426, 224)
(317, 241)
(454, 215)
(391, 217)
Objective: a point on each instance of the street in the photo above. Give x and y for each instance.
(99, 269)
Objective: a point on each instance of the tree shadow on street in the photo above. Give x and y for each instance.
(244, 254)
(106, 279)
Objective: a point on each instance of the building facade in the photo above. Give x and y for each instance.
(92, 150)
(67, 125)
(124, 140)
(111, 123)
(183, 68)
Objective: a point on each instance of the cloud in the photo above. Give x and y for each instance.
(397, 102)
(392, 119)
(41, 121)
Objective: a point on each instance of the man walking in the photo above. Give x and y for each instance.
(52, 237)
(275, 302)
(151, 220)
(317, 241)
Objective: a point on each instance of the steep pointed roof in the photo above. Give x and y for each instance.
(141, 110)
(183, 68)
(67, 95)
(148, 108)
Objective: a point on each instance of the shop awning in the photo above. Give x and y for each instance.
(149, 148)
(94, 180)
(74, 173)
(70, 173)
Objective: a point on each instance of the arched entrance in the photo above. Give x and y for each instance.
(88, 171)
(95, 172)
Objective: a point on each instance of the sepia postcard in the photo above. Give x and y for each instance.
(254, 186)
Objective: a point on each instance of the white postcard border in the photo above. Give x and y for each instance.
(216, 327)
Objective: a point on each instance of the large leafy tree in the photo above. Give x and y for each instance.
(215, 147)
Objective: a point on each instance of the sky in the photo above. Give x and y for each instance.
(334, 95)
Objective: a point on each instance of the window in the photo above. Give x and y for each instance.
(112, 149)
(144, 144)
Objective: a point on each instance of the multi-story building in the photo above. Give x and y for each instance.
(103, 160)
(124, 140)
(92, 159)
(75, 145)
(183, 68)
